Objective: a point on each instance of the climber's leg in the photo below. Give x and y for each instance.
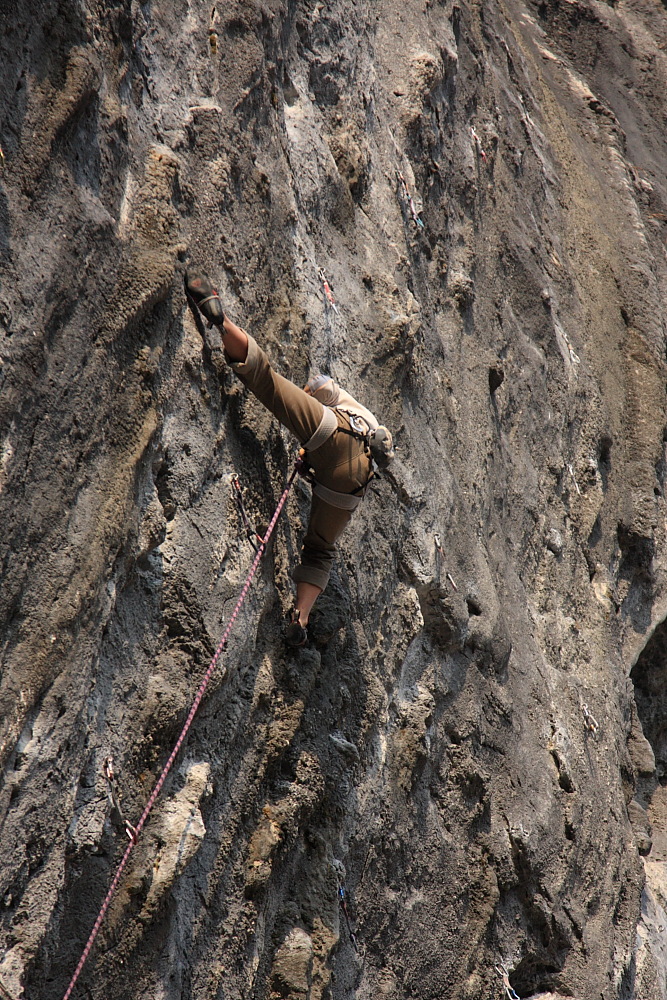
(209, 303)
(306, 595)
(325, 526)
(294, 408)
(291, 405)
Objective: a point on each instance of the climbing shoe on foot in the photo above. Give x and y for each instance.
(205, 297)
(296, 635)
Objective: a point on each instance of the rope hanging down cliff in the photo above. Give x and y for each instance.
(134, 836)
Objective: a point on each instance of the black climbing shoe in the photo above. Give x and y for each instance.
(205, 297)
(296, 635)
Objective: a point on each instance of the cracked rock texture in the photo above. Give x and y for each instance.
(474, 746)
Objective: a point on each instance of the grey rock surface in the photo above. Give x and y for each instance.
(475, 750)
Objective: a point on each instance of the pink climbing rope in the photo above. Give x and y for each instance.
(179, 742)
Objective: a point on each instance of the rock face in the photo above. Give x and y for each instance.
(475, 753)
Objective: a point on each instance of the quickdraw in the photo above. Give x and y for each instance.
(478, 144)
(252, 535)
(108, 772)
(409, 199)
(505, 976)
(328, 294)
(342, 897)
(574, 478)
(590, 722)
(439, 549)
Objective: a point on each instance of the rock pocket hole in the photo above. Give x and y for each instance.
(564, 777)
(163, 489)
(637, 551)
(496, 378)
(604, 456)
(565, 781)
(473, 606)
(535, 975)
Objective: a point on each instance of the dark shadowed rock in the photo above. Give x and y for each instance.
(467, 765)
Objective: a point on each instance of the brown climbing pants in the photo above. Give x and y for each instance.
(340, 464)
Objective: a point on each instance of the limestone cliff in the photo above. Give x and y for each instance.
(474, 750)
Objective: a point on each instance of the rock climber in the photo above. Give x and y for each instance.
(334, 431)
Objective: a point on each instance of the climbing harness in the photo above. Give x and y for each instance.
(505, 976)
(343, 501)
(328, 294)
(326, 427)
(179, 742)
(342, 897)
(253, 536)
